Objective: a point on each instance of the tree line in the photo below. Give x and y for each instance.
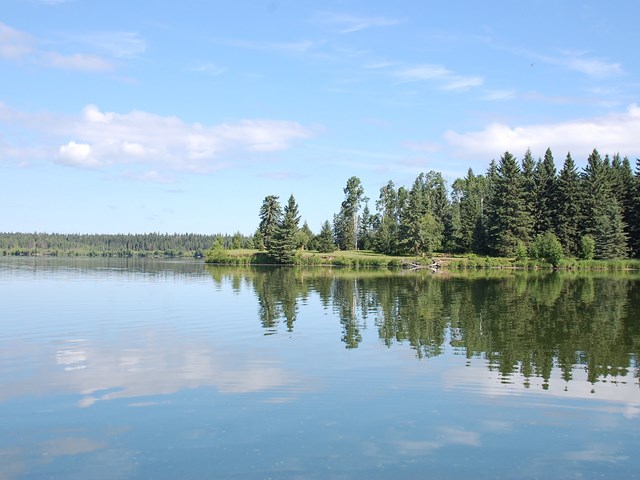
(517, 208)
(117, 245)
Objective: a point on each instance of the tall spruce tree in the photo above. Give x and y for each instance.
(634, 226)
(568, 213)
(440, 205)
(346, 223)
(529, 185)
(270, 214)
(324, 241)
(365, 229)
(470, 194)
(508, 219)
(283, 245)
(545, 198)
(420, 231)
(603, 215)
(385, 238)
(623, 190)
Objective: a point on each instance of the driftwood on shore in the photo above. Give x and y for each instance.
(433, 266)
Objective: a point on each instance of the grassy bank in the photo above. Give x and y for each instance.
(349, 258)
(468, 262)
(365, 259)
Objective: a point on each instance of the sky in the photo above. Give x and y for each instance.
(163, 116)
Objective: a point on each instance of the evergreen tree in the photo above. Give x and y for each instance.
(568, 207)
(545, 195)
(603, 215)
(283, 244)
(270, 215)
(440, 206)
(530, 186)
(324, 241)
(623, 190)
(420, 230)
(346, 223)
(508, 219)
(634, 226)
(469, 196)
(482, 240)
(365, 229)
(304, 237)
(385, 238)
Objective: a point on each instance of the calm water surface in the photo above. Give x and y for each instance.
(128, 369)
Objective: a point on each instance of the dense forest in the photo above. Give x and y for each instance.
(522, 209)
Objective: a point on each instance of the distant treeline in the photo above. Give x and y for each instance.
(117, 245)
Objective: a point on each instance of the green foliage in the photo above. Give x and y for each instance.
(270, 216)
(346, 222)
(282, 246)
(547, 247)
(521, 252)
(568, 207)
(508, 217)
(324, 241)
(587, 247)
(603, 214)
(110, 245)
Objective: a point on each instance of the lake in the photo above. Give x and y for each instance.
(133, 368)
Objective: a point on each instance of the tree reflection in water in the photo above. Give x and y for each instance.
(526, 323)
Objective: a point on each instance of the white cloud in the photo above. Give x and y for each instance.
(78, 61)
(126, 45)
(446, 79)
(462, 83)
(353, 23)
(595, 68)
(77, 155)
(210, 69)
(302, 46)
(611, 133)
(14, 43)
(152, 143)
(495, 95)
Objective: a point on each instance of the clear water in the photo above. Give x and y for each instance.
(127, 369)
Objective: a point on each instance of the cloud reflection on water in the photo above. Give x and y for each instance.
(157, 365)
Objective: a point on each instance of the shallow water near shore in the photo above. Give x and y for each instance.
(133, 368)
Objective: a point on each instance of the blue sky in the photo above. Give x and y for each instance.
(159, 116)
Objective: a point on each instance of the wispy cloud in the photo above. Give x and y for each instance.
(594, 67)
(497, 95)
(124, 45)
(153, 144)
(210, 69)
(301, 46)
(14, 43)
(612, 133)
(82, 62)
(347, 23)
(446, 79)
(104, 49)
(429, 147)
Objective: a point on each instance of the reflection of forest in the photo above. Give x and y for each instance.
(525, 323)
